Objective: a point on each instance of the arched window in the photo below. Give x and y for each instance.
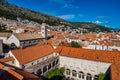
(49, 66)
(68, 71)
(89, 76)
(44, 69)
(72, 79)
(39, 72)
(53, 64)
(57, 61)
(74, 73)
(81, 75)
(13, 46)
(96, 77)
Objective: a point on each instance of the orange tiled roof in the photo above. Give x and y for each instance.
(58, 49)
(5, 34)
(6, 59)
(104, 42)
(32, 53)
(28, 75)
(12, 73)
(115, 71)
(96, 55)
(15, 74)
(8, 73)
(1, 66)
(28, 36)
(91, 35)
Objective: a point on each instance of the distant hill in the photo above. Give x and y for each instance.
(10, 11)
(91, 27)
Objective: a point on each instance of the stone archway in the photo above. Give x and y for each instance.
(57, 61)
(53, 64)
(89, 76)
(95, 77)
(81, 75)
(67, 71)
(74, 73)
(13, 46)
(49, 66)
(39, 72)
(44, 69)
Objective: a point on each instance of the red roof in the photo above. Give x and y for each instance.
(115, 71)
(12, 73)
(32, 53)
(6, 59)
(96, 55)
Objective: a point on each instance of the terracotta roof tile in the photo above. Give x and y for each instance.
(12, 73)
(1, 66)
(96, 55)
(115, 71)
(28, 75)
(32, 53)
(5, 34)
(6, 59)
(17, 75)
(28, 36)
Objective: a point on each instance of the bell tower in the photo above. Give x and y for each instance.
(44, 30)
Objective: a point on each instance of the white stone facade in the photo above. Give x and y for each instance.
(102, 47)
(39, 66)
(44, 30)
(82, 67)
(13, 39)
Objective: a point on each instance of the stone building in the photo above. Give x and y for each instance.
(79, 64)
(44, 30)
(24, 40)
(37, 59)
(1, 47)
(86, 64)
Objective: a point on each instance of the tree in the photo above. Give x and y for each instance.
(103, 76)
(75, 44)
(2, 28)
(55, 74)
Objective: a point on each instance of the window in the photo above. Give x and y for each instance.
(89, 76)
(74, 73)
(44, 69)
(68, 71)
(32, 63)
(57, 61)
(49, 66)
(23, 66)
(97, 57)
(39, 72)
(95, 77)
(13, 62)
(81, 75)
(37, 61)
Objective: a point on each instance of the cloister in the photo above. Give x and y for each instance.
(47, 67)
(79, 75)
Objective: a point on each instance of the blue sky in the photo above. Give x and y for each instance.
(103, 12)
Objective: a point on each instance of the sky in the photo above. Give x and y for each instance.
(103, 12)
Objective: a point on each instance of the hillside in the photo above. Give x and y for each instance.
(10, 11)
(91, 27)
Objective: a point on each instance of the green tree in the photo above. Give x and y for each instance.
(75, 44)
(103, 76)
(2, 28)
(55, 74)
